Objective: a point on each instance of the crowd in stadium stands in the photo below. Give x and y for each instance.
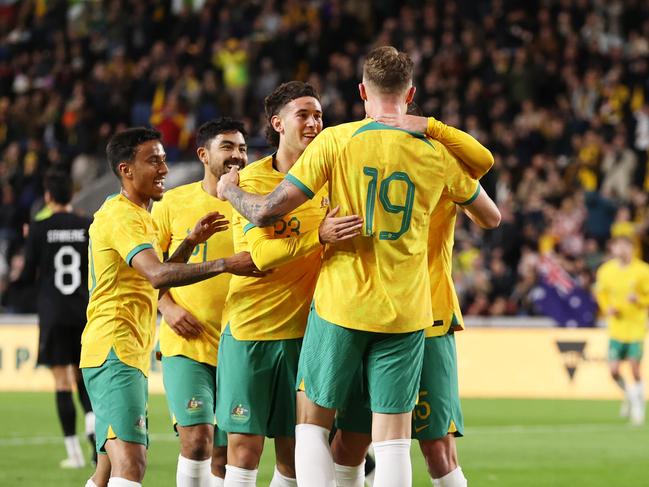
(558, 90)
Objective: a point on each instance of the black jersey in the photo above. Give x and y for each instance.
(56, 257)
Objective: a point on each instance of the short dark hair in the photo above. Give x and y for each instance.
(121, 146)
(388, 70)
(279, 98)
(59, 185)
(212, 128)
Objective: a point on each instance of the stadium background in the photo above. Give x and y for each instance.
(557, 90)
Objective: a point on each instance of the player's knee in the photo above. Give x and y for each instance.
(440, 456)
(219, 459)
(133, 466)
(349, 449)
(245, 453)
(196, 442)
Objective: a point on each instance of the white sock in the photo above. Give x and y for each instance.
(455, 478)
(193, 473)
(280, 480)
(120, 482)
(216, 481)
(314, 465)
(239, 477)
(393, 465)
(350, 476)
(90, 423)
(90, 483)
(73, 448)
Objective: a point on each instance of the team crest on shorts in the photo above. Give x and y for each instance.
(240, 413)
(194, 405)
(140, 424)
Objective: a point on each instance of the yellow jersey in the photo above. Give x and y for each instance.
(441, 234)
(614, 285)
(393, 178)
(276, 306)
(122, 309)
(175, 216)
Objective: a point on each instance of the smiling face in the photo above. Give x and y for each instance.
(298, 122)
(223, 152)
(145, 174)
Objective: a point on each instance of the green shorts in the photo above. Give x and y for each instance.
(332, 355)
(438, 410)
(624, 350)
(256, 385)
(119, 395)
(190, 389)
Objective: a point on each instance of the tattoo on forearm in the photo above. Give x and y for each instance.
(182, 253)
(258, 209)
(178, 274)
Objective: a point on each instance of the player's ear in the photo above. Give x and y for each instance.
(201, 152)
(276, 123)
(410, 95)
(361, 90)
(125, 170)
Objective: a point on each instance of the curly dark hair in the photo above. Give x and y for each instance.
(212, 128)
(121, 146)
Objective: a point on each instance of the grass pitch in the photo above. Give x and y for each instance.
(521, 443)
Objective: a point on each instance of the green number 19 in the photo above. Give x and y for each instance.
(389, 206)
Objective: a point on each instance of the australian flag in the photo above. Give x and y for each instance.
(557, 296)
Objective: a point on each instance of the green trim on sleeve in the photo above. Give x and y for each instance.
(472, 199)
(247, 227)
(300, 185)
(136, 251)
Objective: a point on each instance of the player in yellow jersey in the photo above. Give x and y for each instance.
(191, 324)
(265, 319)
(125, 276)
(437, 418)
(622, 292)
(372, 299)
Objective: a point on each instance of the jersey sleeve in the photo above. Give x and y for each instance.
(471, 153)
(30, 269)
(313, 169)
(129, 237)
(162, 219)
(268, 252)
(461, 187)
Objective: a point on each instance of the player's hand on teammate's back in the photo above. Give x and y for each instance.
(241, 264)
(412, 123)
(207, 226)
(231, 177)
(337, 228)
(181, 321)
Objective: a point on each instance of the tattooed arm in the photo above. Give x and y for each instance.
(205, 227)
(261, 210)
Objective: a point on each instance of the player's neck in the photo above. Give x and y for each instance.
(285, 158)
(135, 198)
(59, 208)
(387, 106)
(624, 261)
(209, 185)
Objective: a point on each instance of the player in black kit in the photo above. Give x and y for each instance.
(56, 257)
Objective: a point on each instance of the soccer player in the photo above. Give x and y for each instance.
(191, 324)
(372, 299)
(125, 276)
(265, 319)
(622, 292)
(56, 255)
(437, 418)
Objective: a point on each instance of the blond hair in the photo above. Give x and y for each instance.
(388, 70)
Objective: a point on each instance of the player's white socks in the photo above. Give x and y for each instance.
(90, 483)
(239, 477)
(637, 398)
(75, 454)
(280, 480)
(193, 473)
(216, 481)
(90, 423)
(455, 478)
(120, 482)
(314, 465)
(393, 465)
(350, 476)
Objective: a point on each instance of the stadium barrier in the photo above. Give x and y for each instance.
(530, 360)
